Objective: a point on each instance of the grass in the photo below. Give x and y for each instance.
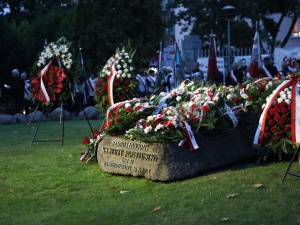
(45, 184)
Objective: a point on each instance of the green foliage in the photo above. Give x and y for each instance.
(114, 23)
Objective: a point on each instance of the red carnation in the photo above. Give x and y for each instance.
(86, 141)
(275, 138)
(273, 129)
(283, 110)
(280, 133)
(235, 100)
(194, 107)
(205, 108)
(287, 127)
(250, 98)
(128, 109)
(110, 122)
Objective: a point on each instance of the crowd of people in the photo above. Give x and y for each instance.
(149, 82)
(15, 95)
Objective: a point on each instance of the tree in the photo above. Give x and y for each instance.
(208, 14)
(103, 26)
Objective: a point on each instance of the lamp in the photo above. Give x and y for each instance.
(230, 15)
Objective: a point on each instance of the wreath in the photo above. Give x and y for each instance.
(52, 73)
(116, 81)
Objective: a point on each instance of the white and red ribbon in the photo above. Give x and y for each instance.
(44, 94)
(266, 72)
(90, 84)
(110, 86)
(295, 113)
(189, 136)
(233, 77)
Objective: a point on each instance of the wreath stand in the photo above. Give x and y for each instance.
(288, 171)
(62, 122)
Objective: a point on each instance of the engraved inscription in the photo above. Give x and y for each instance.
(129, 157)
(130, 145)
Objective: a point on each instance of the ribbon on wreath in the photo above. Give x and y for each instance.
(295, 113)
(44, 94)
(231, 115)
(189, 136)
(161, 104)
(262, 120)
(110, 82)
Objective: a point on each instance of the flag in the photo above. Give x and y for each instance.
(178, 67)
(255, 57)
(160, 74)
(213, 71)
(81, 69)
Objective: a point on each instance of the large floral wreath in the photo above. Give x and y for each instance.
(116, 81)
(52, 74)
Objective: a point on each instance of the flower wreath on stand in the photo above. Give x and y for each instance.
(116, 83)
(52, 75)
(279, 124)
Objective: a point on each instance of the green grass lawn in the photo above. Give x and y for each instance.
(45, 183)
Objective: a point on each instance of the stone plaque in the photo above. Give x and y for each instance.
(168, 161)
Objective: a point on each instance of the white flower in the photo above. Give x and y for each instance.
(147, 129)
(279, 100)
(123, 75)
(158, 127)
(118, 76)
(119, 66)
(119, 71)
(178, 98)
(287, 101)
(229, 97)
(131, 68)
(128, 75)
(149, 118)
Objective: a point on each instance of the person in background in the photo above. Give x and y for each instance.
(243, 67)
(168, 82)
(268, 70)
(142, 85)
(284, 72)
(150, 81)
(16, 89)
(196, 73)
(91, 83)
(27, 94)
(236, 75)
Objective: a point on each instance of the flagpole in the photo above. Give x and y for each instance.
(159, 56)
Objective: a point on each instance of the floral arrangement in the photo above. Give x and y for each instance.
(92, 144)
(116, 81)
(52, 73)
(163, 127)
(202, 110)
(125, 114)
(279, 115)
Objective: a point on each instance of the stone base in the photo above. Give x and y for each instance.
(168, 161)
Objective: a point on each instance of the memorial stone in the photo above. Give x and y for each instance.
(168, 161)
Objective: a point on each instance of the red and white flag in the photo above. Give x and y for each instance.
(255, 64)
(213, 70)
